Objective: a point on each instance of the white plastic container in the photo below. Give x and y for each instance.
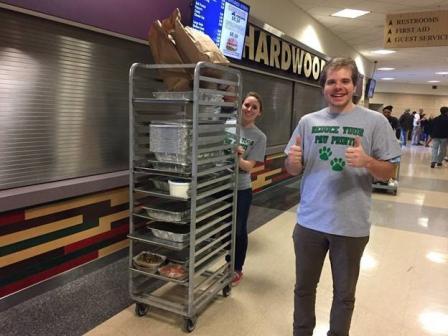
(179, 189)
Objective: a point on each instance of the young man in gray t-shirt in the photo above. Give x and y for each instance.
(339, 150)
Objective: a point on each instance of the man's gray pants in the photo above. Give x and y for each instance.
(345, 257)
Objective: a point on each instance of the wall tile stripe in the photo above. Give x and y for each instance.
(33, 261)
(92, 210)
(262, 179)
(11, 217)
(113, 248)
(117, 197)
(39, 241)
(104, 225)
(275, 156)
(24, 235)
(280, 177)
(120, 222)
(257, 169)
(35, 278)
(48, 263)
(95, 239)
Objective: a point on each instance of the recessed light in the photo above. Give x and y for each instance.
(387, 78)
(383, 51)
(350, 13)
(442, 73)
(386, 69)
(433, 81)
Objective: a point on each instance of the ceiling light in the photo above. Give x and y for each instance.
(442, 73)
(350, 13)
(433, 81)
(383, 51)
(386, 69)
(387, 78)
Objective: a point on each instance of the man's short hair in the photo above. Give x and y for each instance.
(338, 63)
(444, 110)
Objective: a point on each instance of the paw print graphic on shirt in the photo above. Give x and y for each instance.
(337, 164)
(325, 153)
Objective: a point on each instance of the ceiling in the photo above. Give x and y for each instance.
(366, 33)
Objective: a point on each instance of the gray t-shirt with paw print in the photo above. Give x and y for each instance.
(336, 198)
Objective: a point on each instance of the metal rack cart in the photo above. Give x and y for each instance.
(183, 174)
(391, 185)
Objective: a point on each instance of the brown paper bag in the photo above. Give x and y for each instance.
(195, 46)
(164, 51)
(169, 23)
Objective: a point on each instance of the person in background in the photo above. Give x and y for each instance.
(428, 130)
(416, 130)
(424, 126)
(393, 121)
(405, 121)
(439, 136)
(338, 150)
(252, 149)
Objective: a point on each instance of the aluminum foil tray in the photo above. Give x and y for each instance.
(177, 138)
(171, 232)
(177, 167)
(168, 211)
(188, 95)
(186, 158)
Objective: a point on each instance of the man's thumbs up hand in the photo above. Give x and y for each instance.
(355, 155)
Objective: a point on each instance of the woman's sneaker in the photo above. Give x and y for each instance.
(237, 278)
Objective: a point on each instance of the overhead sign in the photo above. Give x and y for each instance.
(411, 30)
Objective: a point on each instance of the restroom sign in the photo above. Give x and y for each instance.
(422, 29)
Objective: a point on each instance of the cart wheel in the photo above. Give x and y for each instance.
(141, 309)
(189, 324)
(226, 291)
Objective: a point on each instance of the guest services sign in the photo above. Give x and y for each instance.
(410, 30)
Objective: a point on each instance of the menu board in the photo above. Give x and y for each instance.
(225, 21)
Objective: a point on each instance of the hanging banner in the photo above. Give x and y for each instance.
(411, 30)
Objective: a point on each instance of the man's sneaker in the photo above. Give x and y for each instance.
(433, 164)
(439, 164)
(237, 278)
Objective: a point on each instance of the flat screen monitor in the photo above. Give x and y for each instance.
(225, 21)
(370, 87)
(359, 83)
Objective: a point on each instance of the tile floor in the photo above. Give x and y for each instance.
(403, 286)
